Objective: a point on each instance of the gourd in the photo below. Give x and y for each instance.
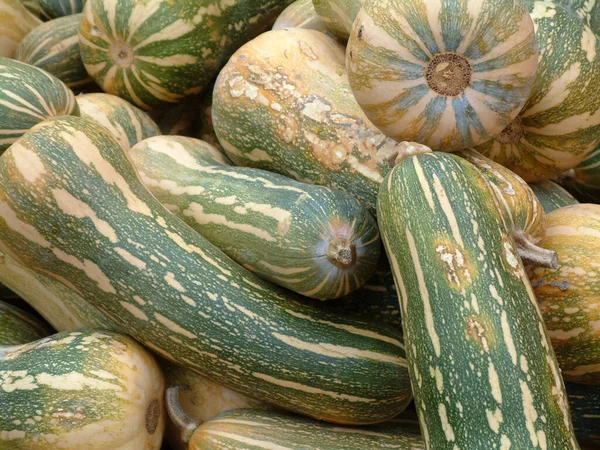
(282, 103)
(551, 195)
(17, 22)
(29, 95)
(300, 14)
(588, 11)
(568, 296)
(483, 372)
(310, 239)
(127, 123)
(520, 208)
(76, 390)
(157, 53)
(129, 257)
(19, 327)
(559, 125)
(584, 180)
(338, 15)
(54, 47)
(449, 75)
(250, 429)
(52, 9)
(584, 403)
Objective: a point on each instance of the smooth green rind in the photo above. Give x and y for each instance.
(128, 124)
(394, 46)
(483, 372)
(19, 327)
(584, 182)
(155, 53)
(28, 96)
(551, 195)
(16, 22)
(560, 124)
(300, 14)
(282, 103)
(54, 47)
(338, 15)
(252, 429)
(52, 9)
(315, 241)
(584, 402)
(569, 296)
(123, 252)
(75, 390)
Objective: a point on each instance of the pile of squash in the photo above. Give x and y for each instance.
(320, 224)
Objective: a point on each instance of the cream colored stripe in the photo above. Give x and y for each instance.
(447, 208)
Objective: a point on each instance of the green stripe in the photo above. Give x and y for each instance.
(551, 195)
(19, 327)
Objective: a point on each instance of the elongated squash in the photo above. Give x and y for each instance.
(551, 195)
(584, 403)
(159, 52)
(559, 125)
(521, 209)
(76, 390)
(300, 14)
(54, 47)
(29, 95)
(128, 124)
(179, 149)
(319, 242)
(19, 327)
(584, 181)
(16, 22)
(569, 295)
(483, 372)
(453, 78)
(338, 15)
(101, 230)
(282, 103)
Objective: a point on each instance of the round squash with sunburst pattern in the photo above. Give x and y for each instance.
(449, 75)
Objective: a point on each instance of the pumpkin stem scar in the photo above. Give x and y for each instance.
(122, 54)
(448, 74)
(512, 133)
(342, 252)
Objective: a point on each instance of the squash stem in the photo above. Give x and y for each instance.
(533, 255)
(184, 423)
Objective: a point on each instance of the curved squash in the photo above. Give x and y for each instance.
(310, 239)
(76, 389)
(551, 195)
(569, 295)
(178, 149)
(19, 327)
(52, 9)
(128, 256)
(54, 47)
(447, 74)
(560, 124)
(159, 52)
(481, 365)
(300, 14)
(584, 181)
(29, 95)
(338, 15)
(128, 124)
(282, 103)
(16, 22)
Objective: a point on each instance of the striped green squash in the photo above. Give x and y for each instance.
(560, 123)
(52, 9)
(310, 239)
(16, 22)
(569, 295)
(254, 429)
(584, 403)
(76, 390)
(28, 96)
(19, 327)
(587, 10)
(300, 14)
(520, 208)
(483, 372)
(128, 124)
(176, 150)
(158, 52)
(123, 252)
(282, 103)
(584, 181)
(551, 195)
(447, 74)
(54, 47)
(338, 15)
